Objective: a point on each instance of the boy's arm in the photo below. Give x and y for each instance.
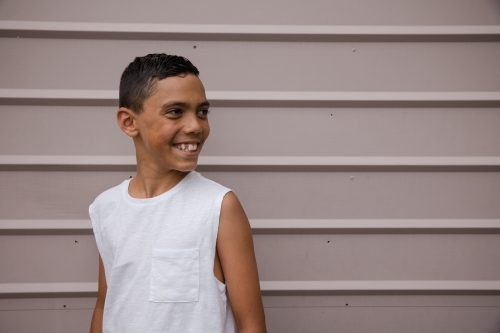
(236, 254)
(96, 325)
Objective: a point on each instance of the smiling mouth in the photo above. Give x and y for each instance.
(187, 146)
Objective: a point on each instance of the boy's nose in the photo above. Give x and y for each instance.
(192, 125)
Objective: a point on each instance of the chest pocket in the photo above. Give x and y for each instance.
(175, 275)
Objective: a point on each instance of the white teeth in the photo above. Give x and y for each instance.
(188, 147)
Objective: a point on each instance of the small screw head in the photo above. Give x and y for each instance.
(353, 50)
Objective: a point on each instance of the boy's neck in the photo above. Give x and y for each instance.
(148, 183)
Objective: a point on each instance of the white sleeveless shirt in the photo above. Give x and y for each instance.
(158, 256)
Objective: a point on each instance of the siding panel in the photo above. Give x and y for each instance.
(258, 66)
(384, 319)
(68, 258)
(73, 258)
(339, 12)
(299, 195)
(303, 131)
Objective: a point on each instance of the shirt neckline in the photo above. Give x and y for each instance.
(157, 198)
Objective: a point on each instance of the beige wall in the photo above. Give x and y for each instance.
(363, 139)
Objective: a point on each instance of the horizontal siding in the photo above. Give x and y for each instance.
(241, 66)
(330, 195)
(287, 226)
(364, 147)
(261, 163)
(282, 257)
(48, 259)
(27, 29)
(297, 301)
(43, 321)
(462, 313)
(287, 288)
(339, 12)
(383, 319)
(326, 132)
(267, 98)
(294, 320)
(368, 257)
(381, 287)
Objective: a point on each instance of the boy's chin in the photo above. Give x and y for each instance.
(187, 167)
(185, 170)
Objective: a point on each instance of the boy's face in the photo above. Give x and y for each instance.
(173, 125)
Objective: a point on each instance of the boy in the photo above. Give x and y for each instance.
(176, 251)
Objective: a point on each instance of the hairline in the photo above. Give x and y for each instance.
(151, 88)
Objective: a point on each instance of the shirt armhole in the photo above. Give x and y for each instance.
(217, 206)
(96, 228)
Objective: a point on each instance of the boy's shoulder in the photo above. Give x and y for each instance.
(206, 181)
(108, 197)
(200, 191)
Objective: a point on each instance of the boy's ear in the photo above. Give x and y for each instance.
(126, 119)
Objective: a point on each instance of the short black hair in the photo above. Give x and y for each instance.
(138, 80)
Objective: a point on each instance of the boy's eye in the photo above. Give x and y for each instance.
(204, 112)
(174, 112)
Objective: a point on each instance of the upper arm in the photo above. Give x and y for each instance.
(236, 253)
(96, 324)
(102, 285)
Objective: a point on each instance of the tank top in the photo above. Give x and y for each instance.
(158, 256)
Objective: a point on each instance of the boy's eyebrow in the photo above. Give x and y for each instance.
(183, 104)
(204, 104)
